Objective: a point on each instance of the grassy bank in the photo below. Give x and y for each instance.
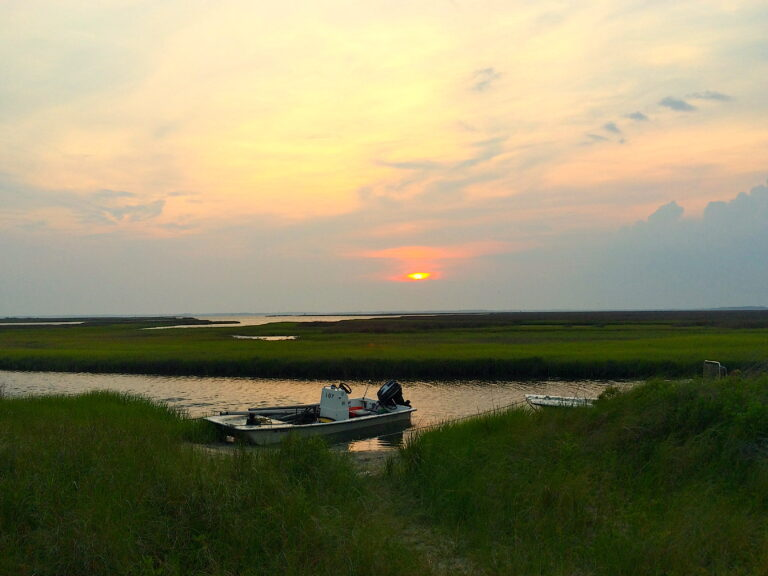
(670, 478)
(483, 346)
(108, 484)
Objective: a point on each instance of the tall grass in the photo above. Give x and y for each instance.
(109, 484)
(402, 349)
(669, 478)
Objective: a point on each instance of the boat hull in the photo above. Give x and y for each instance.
(269, 434)
(543, 401)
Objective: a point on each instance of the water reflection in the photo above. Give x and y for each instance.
(237, 320)
(266, 338)
(435, 401)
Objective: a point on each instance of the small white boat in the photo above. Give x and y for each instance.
(335, 415)
(544, 401)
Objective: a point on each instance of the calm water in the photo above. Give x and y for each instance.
(436, 401)
(259, 320)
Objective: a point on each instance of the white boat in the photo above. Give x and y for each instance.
(544, 401)
(335, 415)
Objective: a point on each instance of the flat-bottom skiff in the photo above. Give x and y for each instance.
(543, 401)
(336, 415)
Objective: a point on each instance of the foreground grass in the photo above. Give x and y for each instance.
(490, 346)
(670, 478)
(109, 484)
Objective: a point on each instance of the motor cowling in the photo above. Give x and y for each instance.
(391, 394)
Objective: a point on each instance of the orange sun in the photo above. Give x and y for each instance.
(419, 275)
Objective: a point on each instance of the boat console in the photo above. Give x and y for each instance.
(334, 403)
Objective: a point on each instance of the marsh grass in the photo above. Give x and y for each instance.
(669, 478)
(110, 484)
(490, 346)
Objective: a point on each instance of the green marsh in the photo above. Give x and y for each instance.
(667, 478)
(482, 346)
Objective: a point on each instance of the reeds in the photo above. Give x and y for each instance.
(110, 484)
(669, 478)
(428, 348)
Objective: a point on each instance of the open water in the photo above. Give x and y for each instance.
(435, 401)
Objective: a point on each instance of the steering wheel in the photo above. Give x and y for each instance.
(346, 388)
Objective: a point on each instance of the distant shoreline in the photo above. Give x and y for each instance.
(493, 346)
(200, 319)
(96, 320)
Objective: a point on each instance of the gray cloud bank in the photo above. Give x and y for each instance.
(666, 261)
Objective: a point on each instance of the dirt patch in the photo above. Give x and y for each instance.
(371, 461)
(438, 549)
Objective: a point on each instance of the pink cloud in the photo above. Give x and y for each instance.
(436, 261)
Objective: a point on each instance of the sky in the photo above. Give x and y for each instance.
(199, 156)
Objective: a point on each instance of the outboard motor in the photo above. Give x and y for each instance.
(391, 394)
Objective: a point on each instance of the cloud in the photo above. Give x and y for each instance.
(612, 127)
(487, 150)
(676, 104)
(710, 261)
(434, 260)
(745, 216)
(111, 207)
(417, 253)
(137, 212)
(481, 255)
(483, 79)
(141, 103)
(666, 214)
(452, 189)
(112, 194)
(710, 95)
(414, 165)
(36, 208)
(427, 181)
(665, 261)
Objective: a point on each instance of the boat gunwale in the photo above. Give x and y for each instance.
(400, 410)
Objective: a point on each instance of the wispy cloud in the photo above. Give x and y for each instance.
(638, 117)
(710, 95)
(137, 212)
(483, 79)
(280, 138)
(435, 260)
(413, 165)
(111, 207)
(486, 150)
(676, 104)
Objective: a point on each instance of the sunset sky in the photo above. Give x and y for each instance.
(194, 156)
